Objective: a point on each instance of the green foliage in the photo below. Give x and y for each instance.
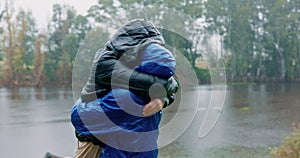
(203, 75)
(261, 36)
(290, 147)
(260, 39)
(65, 36)
(18, 46)
(70, 47)
(102, 11)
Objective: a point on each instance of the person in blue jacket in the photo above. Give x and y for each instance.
(130, 82)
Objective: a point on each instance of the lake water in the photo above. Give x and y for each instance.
(36, 120)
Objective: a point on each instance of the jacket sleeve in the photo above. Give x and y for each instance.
(169, 100)
(113, 74)
(173, 87)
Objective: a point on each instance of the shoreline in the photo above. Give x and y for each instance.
(173, 151)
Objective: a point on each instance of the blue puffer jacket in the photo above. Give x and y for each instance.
(116, 118)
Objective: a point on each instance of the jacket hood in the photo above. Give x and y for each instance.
(132, 35)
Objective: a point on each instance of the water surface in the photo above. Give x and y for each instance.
(36, 120)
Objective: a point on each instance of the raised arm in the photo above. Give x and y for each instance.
(113, 74)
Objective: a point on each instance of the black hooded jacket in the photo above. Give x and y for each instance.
(113, 66)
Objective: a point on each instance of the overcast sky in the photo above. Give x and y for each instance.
(42, 9)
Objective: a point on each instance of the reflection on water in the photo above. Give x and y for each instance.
(34, 105)
(34, 93)
(36, 120)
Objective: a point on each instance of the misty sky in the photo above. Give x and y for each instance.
(42, 9)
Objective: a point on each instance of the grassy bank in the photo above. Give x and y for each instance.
(217, 152)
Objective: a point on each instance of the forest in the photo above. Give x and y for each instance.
(259, 41)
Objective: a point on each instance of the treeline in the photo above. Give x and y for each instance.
(29, 56)
(259, 40)
(262, 37)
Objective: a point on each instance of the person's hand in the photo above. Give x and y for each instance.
(153, 107)
(172, 85)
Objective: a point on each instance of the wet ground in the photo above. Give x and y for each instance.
(255, 118)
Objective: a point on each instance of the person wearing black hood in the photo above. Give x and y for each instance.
(119, 70)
